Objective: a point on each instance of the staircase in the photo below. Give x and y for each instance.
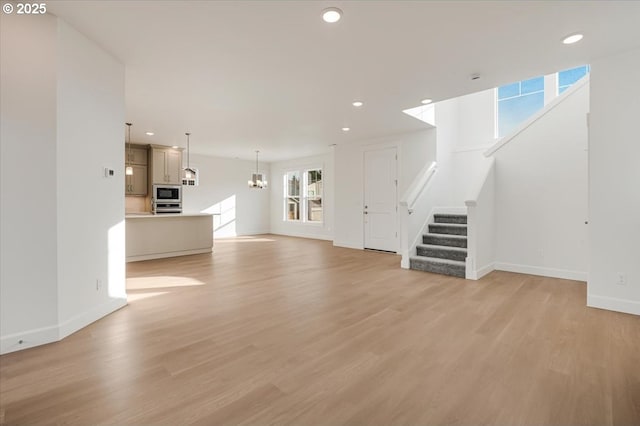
(444, 248)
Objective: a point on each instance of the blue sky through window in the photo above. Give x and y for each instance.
(567, 77)
(520, 100)
(517, 102)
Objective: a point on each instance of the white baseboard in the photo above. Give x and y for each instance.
(304, 235)
(348, 245)
(545, 272)
(28, 339)
(165, 255)
(613, 304)
(41, 336)
(82, 320)
(481, 272)
(405, 262)
(250, 233)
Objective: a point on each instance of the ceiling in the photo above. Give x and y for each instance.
(273, 76)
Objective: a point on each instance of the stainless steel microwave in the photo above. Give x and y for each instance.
(167, 193)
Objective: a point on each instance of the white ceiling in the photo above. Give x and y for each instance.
(271, 75)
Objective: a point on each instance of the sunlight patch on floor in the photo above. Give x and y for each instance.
(140, 283)
(134, 297)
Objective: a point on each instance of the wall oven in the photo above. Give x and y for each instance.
(167, 199)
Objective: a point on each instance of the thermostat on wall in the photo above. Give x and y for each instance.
(108, 172)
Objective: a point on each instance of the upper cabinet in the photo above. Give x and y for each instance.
(136, 184)
(166, 165)
(135, 155)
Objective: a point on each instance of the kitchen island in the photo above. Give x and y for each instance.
(154, 236)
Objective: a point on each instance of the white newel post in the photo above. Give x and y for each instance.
(472, 214)
(404, 235)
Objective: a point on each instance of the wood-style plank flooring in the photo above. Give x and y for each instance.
(278, 330)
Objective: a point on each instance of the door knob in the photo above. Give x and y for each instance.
(366, 212)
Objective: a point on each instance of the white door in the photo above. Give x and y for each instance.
(380, 200)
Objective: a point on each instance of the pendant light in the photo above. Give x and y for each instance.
(128, 170)
(189, 174)
(257, 179)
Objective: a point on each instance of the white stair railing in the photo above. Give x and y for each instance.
(416, 207)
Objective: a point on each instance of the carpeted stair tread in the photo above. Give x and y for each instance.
(437, 260)
(445, 240)
(448, 228)
(450, 218)
(436, 246)
(442, 252)
(440, 266)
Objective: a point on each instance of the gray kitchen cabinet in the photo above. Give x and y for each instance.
(135, 155)
(166, 165)
(136, 184)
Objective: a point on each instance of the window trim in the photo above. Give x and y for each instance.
(315, 197)
(287, 197)
(303, 197)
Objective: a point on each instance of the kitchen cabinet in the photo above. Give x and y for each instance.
(136, 184)
(135, 155)
(154, 236)
(166, 165)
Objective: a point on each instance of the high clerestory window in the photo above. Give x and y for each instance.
(517, 102)
(567, 77)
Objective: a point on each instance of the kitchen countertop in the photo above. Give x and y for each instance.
(161, 215)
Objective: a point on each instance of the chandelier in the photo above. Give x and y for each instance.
(257, 179)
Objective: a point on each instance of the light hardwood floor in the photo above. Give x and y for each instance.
(292, 331)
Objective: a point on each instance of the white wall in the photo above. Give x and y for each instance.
(223, 189)
(90, 116)
(477, 120)
(62, 221)
(323, 230)
(28, 263)
(541, 194)
(447, 131)
(614, 182)
(414, 151)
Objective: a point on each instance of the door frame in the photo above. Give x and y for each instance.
(378, 147)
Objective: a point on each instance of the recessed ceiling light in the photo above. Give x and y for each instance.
(150, 133)
(175, 147)
(345, 129)
(357, 103)
(426, 101)
(573, 38)
(331, 15)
